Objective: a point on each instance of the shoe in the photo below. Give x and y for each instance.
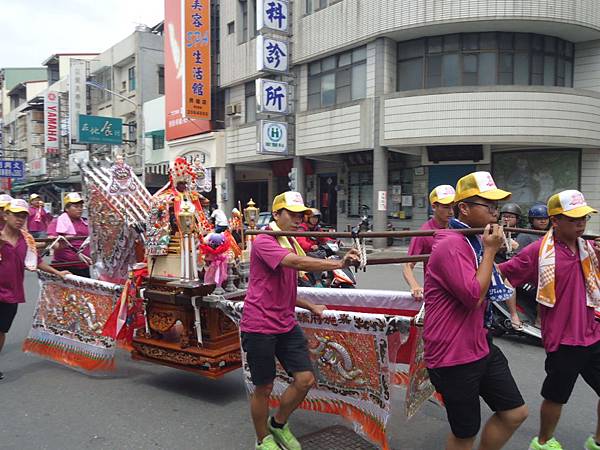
(551, 444)
(284, 437)
(268, 443)
(590, 444)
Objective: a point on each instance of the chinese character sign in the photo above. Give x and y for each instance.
(77, 95)
(196, 40)
(100, 130)
(11, 169)
(272, 96)
(51, 137)
(273, 15)
(271, 54)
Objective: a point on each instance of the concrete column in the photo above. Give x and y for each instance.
(380, 183)
(300, 175)
(231, 201)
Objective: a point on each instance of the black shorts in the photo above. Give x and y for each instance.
(462, 385)
(8, 311)
(565, 365)
(290, 349)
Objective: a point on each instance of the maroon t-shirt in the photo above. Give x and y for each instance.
(12, 268)
(270, 302)
(570, 321)
(66, 254)
(422, 245)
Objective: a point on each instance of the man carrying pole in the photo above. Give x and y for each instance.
(268, 327)
(441, 199)
(461, 281)
(565, 269)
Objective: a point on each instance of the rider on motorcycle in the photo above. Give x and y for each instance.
(510, 216)
(538, 220)
(312, 223)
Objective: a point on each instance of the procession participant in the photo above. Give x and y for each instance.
(441, 199)
(538, 220)
(5, 199)
(312, 222)
(510, 216)
(219, 218)
(17, 253)
(269, 328)
(565, 269)
(462, 362)
(236, 225)
(71, 223)
(39, 218)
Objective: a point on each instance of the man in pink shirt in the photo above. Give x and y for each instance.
(17, 252)
(269, 329)
(71, 223)
(441, 199)
(38, 220)
(570, 333)
(462, 363)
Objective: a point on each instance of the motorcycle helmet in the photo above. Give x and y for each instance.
(511, 208)
(315, 212)
(538, 211)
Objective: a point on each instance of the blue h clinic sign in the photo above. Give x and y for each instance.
(100, 130)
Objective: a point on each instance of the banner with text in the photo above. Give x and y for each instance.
(51, 136)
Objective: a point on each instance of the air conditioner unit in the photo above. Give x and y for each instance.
(233, 109)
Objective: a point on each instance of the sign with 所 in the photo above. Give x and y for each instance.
(196, 29)
(100, 130)
(272, 96)
(272, 138)
(272, 15)
(271, 55)
(12, 169)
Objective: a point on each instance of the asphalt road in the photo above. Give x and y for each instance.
(144, 406)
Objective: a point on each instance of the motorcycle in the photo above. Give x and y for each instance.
(527, 311)
(337, 278)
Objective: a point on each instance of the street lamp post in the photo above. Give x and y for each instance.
(140, 122)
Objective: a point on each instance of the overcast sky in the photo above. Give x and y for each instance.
(32, 30)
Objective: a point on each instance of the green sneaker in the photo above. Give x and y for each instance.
(590, 444)
(268, 443)
(284, 437)
(551, 444)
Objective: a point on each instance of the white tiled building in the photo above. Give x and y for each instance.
(386, 88)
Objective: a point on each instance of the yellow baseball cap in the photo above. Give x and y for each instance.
(443, 194)
(73, 197)
(17, 205)
(292, 201)
(570, 203)
(5, 199)
(480, 184)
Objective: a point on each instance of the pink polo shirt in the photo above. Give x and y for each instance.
(422, 245)
(271, 298)
(12, 268)
(453, 330)
(65, 254)
(38, 219)
(570, 321)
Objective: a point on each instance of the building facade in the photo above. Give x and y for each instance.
(393, 98)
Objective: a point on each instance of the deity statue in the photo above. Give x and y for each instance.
(122, 178)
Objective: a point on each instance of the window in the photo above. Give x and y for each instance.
(244, 13)
(360, 191)
(161, 80)
(131, 78)
(337, 79)
(104, 79)
(311, 6)
(250, 101)
(158, 140)
(247, 19)
(231, 27)
(483, 59)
